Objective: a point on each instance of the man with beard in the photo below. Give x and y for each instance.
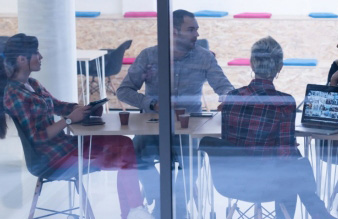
(193, 65)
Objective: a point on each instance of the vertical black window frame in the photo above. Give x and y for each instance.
(166, 126)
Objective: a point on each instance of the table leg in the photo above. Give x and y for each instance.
(306, 147)
(99, 76)
(318, 172)
(212, 200)
(80, 163)
(328, 169)
(88, 171)
(82, 85)
(191, 176)
(104, 94)
(87, 83)
(306, 154)
(199, 216)
(183, 173)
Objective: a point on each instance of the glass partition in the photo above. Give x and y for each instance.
(204, 117)
(237, 149)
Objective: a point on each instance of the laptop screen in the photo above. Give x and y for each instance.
(320, 105)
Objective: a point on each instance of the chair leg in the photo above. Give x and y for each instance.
(70, 196)
(81, 95)
(285, 212)
(231, 211)
(37, 192)
(258, 211)
(89, 213)
(110, 82)
(334, 193)
(93, 88)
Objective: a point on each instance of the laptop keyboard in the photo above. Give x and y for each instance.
(325, 127)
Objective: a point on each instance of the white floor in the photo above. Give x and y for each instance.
(18, 185)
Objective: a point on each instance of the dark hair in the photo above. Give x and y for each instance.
(178, 17)
(19, 44)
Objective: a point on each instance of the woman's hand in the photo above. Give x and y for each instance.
(79, 113)
(97, 112)
(334, 79)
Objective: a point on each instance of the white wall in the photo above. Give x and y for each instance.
(104, 6)
(280, 7)
(139, 5)
(324, 5)
(8, 6)
(283, 7)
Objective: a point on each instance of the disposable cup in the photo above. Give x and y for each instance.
(124, 118)
(184, 121)
(179, 111)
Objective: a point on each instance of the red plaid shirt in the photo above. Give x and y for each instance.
(260, 118)
(35, 112)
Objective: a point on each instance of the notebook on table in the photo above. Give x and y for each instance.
(94, 120)
(320, 111)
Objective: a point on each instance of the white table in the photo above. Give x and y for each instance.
(86, 56)
(138, 125)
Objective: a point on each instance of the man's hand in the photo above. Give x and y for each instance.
(334, 79)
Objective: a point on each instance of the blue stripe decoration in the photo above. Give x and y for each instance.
(207, 13)
(323, 15)
(87, 13)
(300, 62)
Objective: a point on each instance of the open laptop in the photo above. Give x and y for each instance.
(320, 111)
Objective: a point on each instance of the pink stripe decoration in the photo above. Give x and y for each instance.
(239, 62)
(252, 15)
(140, 14)
(128, 61)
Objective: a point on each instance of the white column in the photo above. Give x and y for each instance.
(53, 23)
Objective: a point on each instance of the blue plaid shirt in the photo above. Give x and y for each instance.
(190, 72)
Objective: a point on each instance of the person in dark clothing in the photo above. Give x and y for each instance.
(333, 74)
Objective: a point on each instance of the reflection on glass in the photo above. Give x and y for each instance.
(257, 159)
(50, 153)
(193, 66)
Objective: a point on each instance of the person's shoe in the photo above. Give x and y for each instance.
(139, 213)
